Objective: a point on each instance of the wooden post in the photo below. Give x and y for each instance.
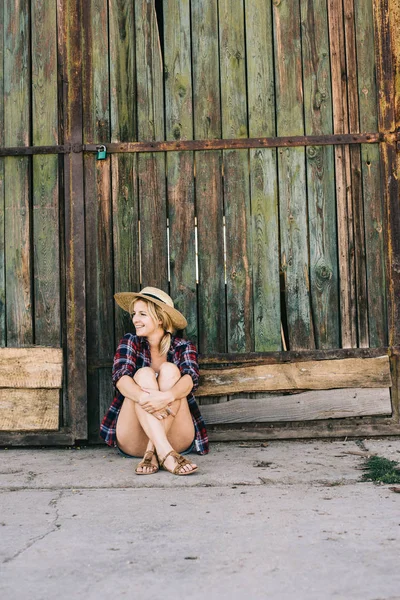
(69, 35)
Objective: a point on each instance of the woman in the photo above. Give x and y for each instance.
(154, 413)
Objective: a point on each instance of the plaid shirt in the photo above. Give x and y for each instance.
(132, 354)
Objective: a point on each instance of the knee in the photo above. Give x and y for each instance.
(144, 375)
(170, 371)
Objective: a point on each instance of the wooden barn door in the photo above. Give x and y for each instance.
(251, 152)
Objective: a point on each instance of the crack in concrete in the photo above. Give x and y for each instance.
(54, 526)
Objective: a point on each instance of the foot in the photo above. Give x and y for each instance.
(148, 465)
(177, 464)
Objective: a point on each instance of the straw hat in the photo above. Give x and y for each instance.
(158, 297)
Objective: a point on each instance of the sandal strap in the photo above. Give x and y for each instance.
(146, 462)
(180, 460)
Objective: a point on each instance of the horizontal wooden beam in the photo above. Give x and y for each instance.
(210, 144)
(331, 428)
(34, 367)
(29, 409)
(63, 437)
(312, 375)
(305, 406)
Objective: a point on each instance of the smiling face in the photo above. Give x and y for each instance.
(144, 324)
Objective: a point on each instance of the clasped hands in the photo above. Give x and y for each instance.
(156, 402)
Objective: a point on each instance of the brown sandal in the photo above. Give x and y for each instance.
(181, 462)
(146, 462)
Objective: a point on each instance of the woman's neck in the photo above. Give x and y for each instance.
(155, 340)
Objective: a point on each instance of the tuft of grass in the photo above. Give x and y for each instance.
(381, 470)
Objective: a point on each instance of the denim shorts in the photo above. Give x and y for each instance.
(125, 455)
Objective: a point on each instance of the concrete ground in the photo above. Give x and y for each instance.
(283, 520)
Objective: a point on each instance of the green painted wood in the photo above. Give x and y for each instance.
(2, 198)
(320, 175)
(125, 202)
(263, 178)
(151, 167)
(232, 53)
(371, 174)
(292, 176)
(208, 183)
(98, 216)
(17, 175)
(179, 126)
(46, 234)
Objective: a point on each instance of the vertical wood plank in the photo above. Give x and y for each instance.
(263, 178)
(356, 179)
(69, 17)
(292, 176)
(371, 176)
(236, 178)
(179, 126)
(2, 199)
(348, 302)
(98, 216)
(320, 175)
(17, 174)
(46, 229)
(151, 167)
(209, 196)
(124, 166)
(388, 83)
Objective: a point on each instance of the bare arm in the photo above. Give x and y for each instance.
(130, 389)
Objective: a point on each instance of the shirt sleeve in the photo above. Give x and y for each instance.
(124, 360)
(188, 364)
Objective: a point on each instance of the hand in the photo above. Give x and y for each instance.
(164, 413)
(155, 401)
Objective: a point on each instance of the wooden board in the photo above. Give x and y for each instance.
(306, 406)
(2, 198)
(124, 188)
(240, 334)
(31, 367)
(46, 229)
(263, 180)
(347, 275)
(320, 175)
(17, 174)
(151, 167)
(291, 176)
(29, 410)
(371, 174)
(208, 184)
(180, 176)
(313, 375)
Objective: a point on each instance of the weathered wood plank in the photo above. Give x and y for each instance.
(69, 18)
(124, 167)
(371, 175)
(179, 125)
(151, 167)
(46, 231)
(31, 367)
(347, 286)
(356, 180)
(337, 428)
(320, 175)
(208, 184)
(236, 178)
(2, 198)
(98, 213)
(292, 176)
(63, 437)
(313, 375)
(263, 180)
(29, 410)
(306, 406)
(17, 174)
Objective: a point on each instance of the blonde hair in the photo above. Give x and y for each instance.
(157, 314)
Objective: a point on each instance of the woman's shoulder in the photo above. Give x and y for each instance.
(129, 339)
(178, 342)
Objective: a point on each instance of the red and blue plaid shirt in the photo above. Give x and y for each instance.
(132, 354)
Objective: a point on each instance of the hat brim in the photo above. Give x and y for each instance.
(125, 299)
